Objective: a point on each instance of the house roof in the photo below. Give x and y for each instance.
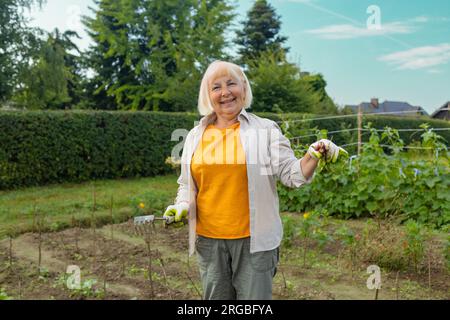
(445, 105)
(388, 106)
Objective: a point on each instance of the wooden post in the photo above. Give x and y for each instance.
(397, 286)
(112, 217)
(429, 274)
(359, 129)
(10, 251)
(93, 227)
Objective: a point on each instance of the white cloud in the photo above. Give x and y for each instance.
(434, 71)
(359, 30)
(348, 31)
(419, 58)
(421, 19)
(298, 1)
(433, 19)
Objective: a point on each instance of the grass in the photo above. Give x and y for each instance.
(59, 203)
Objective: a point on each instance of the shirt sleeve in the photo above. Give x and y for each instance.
(284, 164)
(183, 179)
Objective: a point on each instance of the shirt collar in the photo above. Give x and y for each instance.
(209, 119)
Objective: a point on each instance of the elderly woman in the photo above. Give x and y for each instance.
(230, 164)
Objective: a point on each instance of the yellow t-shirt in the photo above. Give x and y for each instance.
(219, 169)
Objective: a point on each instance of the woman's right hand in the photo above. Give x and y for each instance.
(177, 213)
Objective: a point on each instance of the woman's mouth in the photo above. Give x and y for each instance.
(228, 101)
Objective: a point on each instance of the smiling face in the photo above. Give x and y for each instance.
(220, 81)
(227, 94)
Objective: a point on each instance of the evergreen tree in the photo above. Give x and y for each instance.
(52, 81)
(260, 33)
(150, 54)
(109, 68)
(318, 84)
(72, 62)
(17, 41)
(277, 86)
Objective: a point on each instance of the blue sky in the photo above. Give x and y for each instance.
(390, 49)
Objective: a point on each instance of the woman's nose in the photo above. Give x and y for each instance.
(225, 91)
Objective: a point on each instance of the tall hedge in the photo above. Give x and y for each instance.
(42, 147)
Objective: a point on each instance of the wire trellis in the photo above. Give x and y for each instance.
(363, 129)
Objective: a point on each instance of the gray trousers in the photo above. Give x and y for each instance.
(229, 271)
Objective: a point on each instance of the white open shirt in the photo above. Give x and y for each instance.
(269, 157)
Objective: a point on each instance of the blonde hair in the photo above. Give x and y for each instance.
(218, 69)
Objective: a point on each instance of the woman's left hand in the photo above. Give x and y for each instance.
(326, 150)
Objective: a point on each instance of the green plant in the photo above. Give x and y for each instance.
(155, 276)
(4, 295)
(322, 237)
(368, 231)
(87, 289)
(432, 140)
(350, 241)
(133, 270)
(289, 230)
(311, 231)
(44, 273)
(378, 184)
(415, 236)
(305, 232)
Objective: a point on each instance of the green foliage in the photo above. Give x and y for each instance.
(414, 244)
(277, 86)
(4, 295)
(289, 230)
(88, 289)
(346, 236)
(349, 241)
(377, 184)
(52, 81)
(432, 140)
(52, 147)
(312, 231)
(260, 33)
(325, 104)
(150, 55)
(16, 43)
